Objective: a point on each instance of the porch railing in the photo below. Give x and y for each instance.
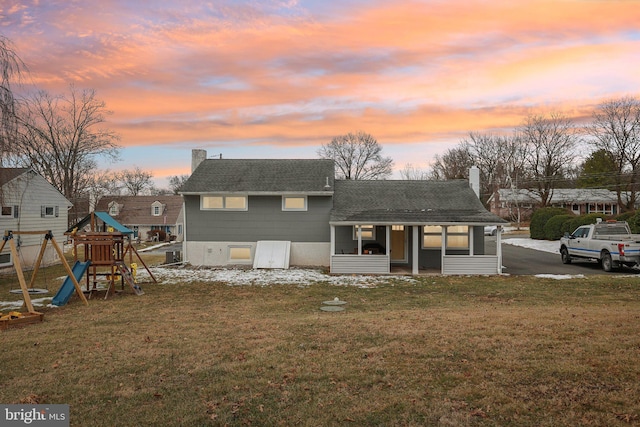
(360, 264)
(466, 264)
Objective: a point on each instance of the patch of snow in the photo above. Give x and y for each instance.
(560, 276)
(150, 248)
(17, 305)
(263, 277)
(552, 246)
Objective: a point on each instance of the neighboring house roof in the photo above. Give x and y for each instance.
(262, 176)
(560, 195)
(9, 174)
(136, 210)
(409, 202)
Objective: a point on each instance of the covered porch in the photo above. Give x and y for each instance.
(410, 248)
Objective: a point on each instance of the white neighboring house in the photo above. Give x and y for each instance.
(30, 203)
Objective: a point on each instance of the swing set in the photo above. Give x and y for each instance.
(33, 316)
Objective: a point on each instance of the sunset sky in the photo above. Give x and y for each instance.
(276, 79)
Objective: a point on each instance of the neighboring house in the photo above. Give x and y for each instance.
(350, 226)
(30, 203)
(145, 213)
(508, 203)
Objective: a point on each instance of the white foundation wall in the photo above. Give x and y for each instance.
(310, 254)
(217, 253)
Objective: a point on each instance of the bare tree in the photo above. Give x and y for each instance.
(453, 164)
(500, 160)
(176, 182)
(136, 181)
(61, 138)
(410, 172)
(11, 68)
(550, 145)
(616, 130)
(357, 156)
(102, 183)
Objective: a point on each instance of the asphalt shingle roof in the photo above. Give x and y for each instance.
(261, 175)
(9, 174)
(136, 210)
(409, 202)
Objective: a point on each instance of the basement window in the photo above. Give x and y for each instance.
(240, 254)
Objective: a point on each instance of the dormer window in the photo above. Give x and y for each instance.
(114, 209)
(157, 208)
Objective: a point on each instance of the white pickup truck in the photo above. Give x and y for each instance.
(609, 243)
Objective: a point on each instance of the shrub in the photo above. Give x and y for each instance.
(634, 222)
(626, 216)
(583, 220)
(162, 235)
(554, 228)
(540, 218)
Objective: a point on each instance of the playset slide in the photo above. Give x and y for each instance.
(67, 289)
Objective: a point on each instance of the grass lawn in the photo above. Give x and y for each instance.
(479, 351)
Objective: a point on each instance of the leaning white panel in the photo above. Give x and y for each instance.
(272, 254)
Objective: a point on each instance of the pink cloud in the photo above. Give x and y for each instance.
(406, 72)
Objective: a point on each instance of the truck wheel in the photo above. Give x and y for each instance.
(607, 263)
(566, 258)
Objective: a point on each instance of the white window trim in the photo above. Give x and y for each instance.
(422, 246)
(156, 206)
(43, 210)
(10, 215)
(355, 232)
(304, 209)
(10, 262)
(224, 202)
(448, 234)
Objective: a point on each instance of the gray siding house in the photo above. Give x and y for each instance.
(230, 205)
(411, 227)
(350, 226)
(30, 203)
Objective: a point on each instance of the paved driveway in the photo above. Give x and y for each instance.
(517, 260)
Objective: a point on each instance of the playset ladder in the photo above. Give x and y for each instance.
(128, 277)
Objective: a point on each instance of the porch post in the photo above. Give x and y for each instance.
(499, 247)
(415, 267)
(388, 242)
(471, 233)
(359, 239)
(443, 247)
(332, 249)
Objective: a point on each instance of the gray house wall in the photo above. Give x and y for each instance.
(264, 220)
(432, 258)
(427, 258)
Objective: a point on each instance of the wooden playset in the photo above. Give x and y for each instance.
(106, 251)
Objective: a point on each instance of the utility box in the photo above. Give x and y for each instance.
(172, 256)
